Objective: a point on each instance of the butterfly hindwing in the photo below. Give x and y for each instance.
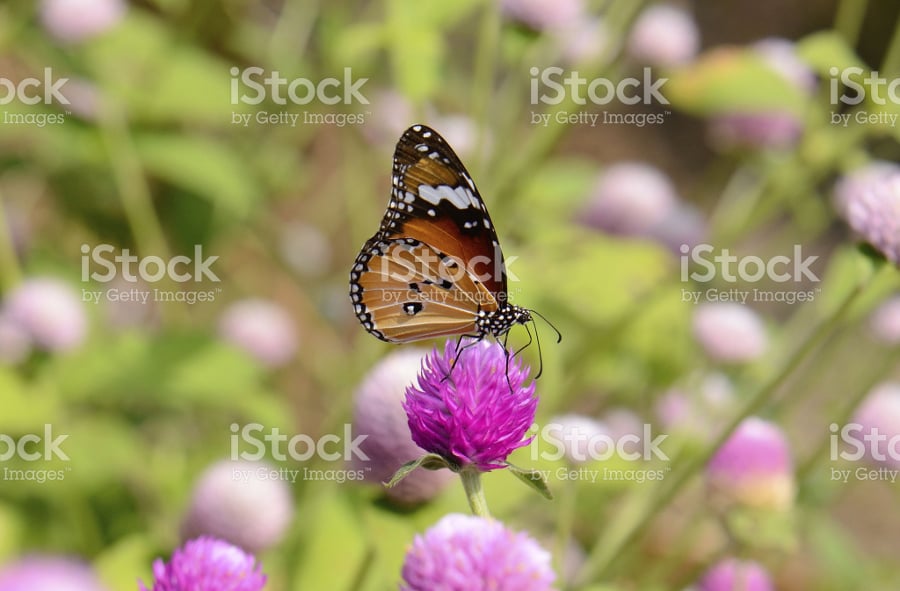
(405, 290)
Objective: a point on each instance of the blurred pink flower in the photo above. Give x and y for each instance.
(49, 311)
(885, 321)
(880, 412)
(49, 573)
(753, 468)
(875, 215)
(629, 198)
(15, 344)
(464, 552)
(582, 438)
(379, 415)
(771, 129)
(584, 40)
(262, 329)
(736, 575)
(663, 36)
(240, 502)
(542, 15)
(392, 113)
(860, 181)
(71, 21)
(685, 224)
(730, 332)
(305, 248)
(697, 411)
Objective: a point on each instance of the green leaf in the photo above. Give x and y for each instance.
(428, 461)
(732, 80)
(203, 166)
(826, 50)
(532, 478)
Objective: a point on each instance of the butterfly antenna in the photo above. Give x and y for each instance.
(537, 338)
(550, 324)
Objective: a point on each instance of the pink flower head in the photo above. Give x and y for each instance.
(736, 575)
(753, 467)
(730, 332)
(879, 417)
(207, 564)
(49, 311)
(49, 573)
(875, 214)
(476, 414)
(378, 414)
(663, 36)
(261, 328)
(468, 553)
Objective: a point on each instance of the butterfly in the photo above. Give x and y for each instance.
(434, 268)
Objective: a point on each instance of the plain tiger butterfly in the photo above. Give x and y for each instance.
(434, 268)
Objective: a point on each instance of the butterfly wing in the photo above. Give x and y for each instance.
(435, 263)
(404, 290)
(435, 201)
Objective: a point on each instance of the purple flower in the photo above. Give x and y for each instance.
(736, 575)
(541, 15)
(262, 329)
(663, 36)
(879, 417)
(242, 503)
(859, 181)
(730, 332)
(207, 564)
(15, 343)
(49, 311)
(49, 573)
(467, 553)
(767, 129)
(71, 21)
(378, 414)
(479, 413)
(630, 198)
(875, 215)
(753, 468)
(885, 321)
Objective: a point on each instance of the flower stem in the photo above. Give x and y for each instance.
(471, 480)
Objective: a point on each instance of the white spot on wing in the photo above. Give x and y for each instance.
(460, 198)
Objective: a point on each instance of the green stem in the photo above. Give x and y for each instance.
(9, 264)
(890, 65)
(849, 19)
(471, 480)
(485, 61)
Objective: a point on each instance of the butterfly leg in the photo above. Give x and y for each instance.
(459, 351)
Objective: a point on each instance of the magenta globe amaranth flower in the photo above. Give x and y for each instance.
(207, 564)
(49, 573)
(467, 553)
(885, 321)
(663, 36)
(729, 332)
(50, 312)
(878, 418)
(736, 575)
(262, 329)
(242, 502)
(630, 198)
(476, 414)
(378, 415)
(875, 215)
(71, 21)
(753, 468)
